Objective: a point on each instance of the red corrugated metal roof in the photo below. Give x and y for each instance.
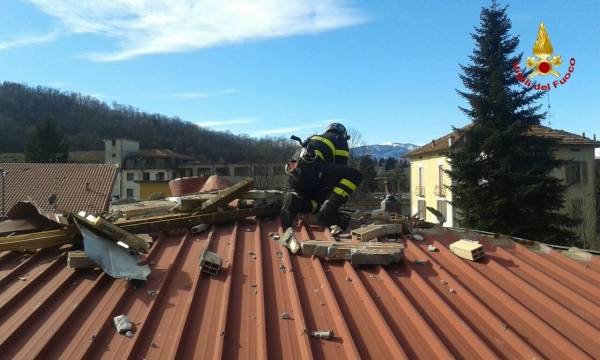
(515, 303)
(36, 182)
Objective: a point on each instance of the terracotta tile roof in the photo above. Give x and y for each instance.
(514, 303)
(36, 182)
(161, 154)
(441, 145)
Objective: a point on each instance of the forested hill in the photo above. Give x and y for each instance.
(85, 121)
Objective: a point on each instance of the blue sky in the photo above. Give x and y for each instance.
(386, 68)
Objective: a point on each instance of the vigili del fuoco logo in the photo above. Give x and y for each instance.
(544, 63)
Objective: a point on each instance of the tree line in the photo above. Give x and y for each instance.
(85, 121)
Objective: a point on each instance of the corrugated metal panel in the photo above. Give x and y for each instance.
(512, 304)
(36, 182)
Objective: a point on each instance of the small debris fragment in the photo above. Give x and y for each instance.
(431, 248)
(151, 292)
(279, 254)
(325, 335)
(251, 253)
(335, 230)
(274, 236)
(348, 278)
(22, 278)
(345, 236)
(444, 282)
(124, 325)
(285, 316)
(199, 228)
(417, 237)
(452, 290)
(282, 268)
(420, 262)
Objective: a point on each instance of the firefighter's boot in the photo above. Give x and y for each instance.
(328, 213)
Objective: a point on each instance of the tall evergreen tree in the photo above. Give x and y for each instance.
(46, 144)
(502, 178)
(366, 166)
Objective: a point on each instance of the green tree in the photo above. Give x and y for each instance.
(366, 166)
(46, 144)
(502, 178)
(390, 163)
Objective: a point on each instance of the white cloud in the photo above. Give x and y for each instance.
(297, 130)
(202, 95)
(143, 27)
(27, 40)
(228, 122)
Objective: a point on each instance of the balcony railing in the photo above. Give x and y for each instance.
(420, 190)
(440, 190)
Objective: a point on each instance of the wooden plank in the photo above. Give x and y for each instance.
(226, 196)
(182, 222)
(38, 240)
(113, 232)
(78, 259)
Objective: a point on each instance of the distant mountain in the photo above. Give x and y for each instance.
(395, 150)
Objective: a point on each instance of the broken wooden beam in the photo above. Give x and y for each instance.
(374, 231)
(224, 197)
(158, 224)
(78, 259)
(113, 232)
(38, 240)
(358, 254)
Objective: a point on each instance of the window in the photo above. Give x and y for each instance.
(204, 171)
(129, 176)
(419, 189)
(261, 170)
(421, 207)
(241, 171)
(439, 188)
(442, 207)
(114, 155)
(576, 172)
(114, 142)
(160, 176)
(146, 176)
(129, 193)
(222, 171)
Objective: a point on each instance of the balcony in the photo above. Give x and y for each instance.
(420, 190)
(440, 190)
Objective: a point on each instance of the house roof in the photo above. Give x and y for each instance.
(160, 154)
(514, 303)
(444, 143)
(36, 182)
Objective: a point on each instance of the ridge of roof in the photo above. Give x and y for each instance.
(442, 144)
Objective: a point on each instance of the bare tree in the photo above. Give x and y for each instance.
(356, 138)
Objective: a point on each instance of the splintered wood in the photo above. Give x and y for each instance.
(467, 249)
(374, 231)
(226, 196)
(114, 232)
(359, 254)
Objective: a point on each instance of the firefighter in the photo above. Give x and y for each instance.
(321, 178)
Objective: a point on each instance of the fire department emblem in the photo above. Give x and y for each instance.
(544, 62)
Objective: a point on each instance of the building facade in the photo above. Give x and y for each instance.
(430, 184)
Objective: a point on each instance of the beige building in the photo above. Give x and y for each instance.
(430, 184)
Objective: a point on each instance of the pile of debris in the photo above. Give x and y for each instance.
(117, 241)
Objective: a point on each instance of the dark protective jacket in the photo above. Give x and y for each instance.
(329, 147)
